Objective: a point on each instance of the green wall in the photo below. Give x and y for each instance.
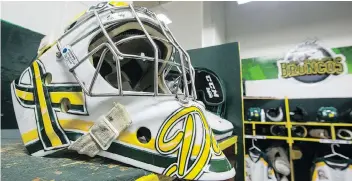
(224, 60)
(18, 48)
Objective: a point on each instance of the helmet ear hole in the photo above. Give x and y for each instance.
(48, 78)
(65, 105)
(144, 135)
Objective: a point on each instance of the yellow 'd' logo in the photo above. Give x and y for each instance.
(186, 139)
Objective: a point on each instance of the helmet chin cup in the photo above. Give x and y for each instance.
(89, 101)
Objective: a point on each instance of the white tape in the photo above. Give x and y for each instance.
(256, 137)
(330, 141)
(85, 145)
(103, 132)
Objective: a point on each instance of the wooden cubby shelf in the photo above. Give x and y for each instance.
(266, 137)
(266, 123)
(320, 124)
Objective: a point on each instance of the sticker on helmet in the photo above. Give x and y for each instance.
(69, 57)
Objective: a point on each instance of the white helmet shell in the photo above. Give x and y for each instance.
(62, 100)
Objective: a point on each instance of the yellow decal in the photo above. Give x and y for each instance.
(56, 97)
(78, 16)
(118, 3)
(45, 98)
(215, 146)
(43, 49)
(48, 127)
(315, 175)
(29, 136)
(74, 97)
(271, 172)
(56, 93)
(28, 96)
(319, 164)
(183, 141)
(263, 161)
(150, 177)
(188, 140)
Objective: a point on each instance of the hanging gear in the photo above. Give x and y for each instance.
(299, 114)
(278, 130)
(275, 114)
(284, 178)
(299, 131)
(344, 134)
(253, 114)
(327, 114)
(258, 167)
(328, 168)
(279, 159)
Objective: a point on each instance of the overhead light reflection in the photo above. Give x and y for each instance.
(163, 18)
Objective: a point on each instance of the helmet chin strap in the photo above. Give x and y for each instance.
(278, 118)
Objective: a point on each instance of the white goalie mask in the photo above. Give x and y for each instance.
(104, 88)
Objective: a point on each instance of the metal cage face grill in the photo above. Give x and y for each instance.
(140, 16)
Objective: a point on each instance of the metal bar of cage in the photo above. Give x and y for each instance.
(119, 55)
(95, 50)
(192, 77)
(101, 59)
(176, 44)
(181, 56)
(156, 51)
(114, 52)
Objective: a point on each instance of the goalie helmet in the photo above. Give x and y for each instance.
(253, 114)
(101, 89)
(275, 114)
(327, 114)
